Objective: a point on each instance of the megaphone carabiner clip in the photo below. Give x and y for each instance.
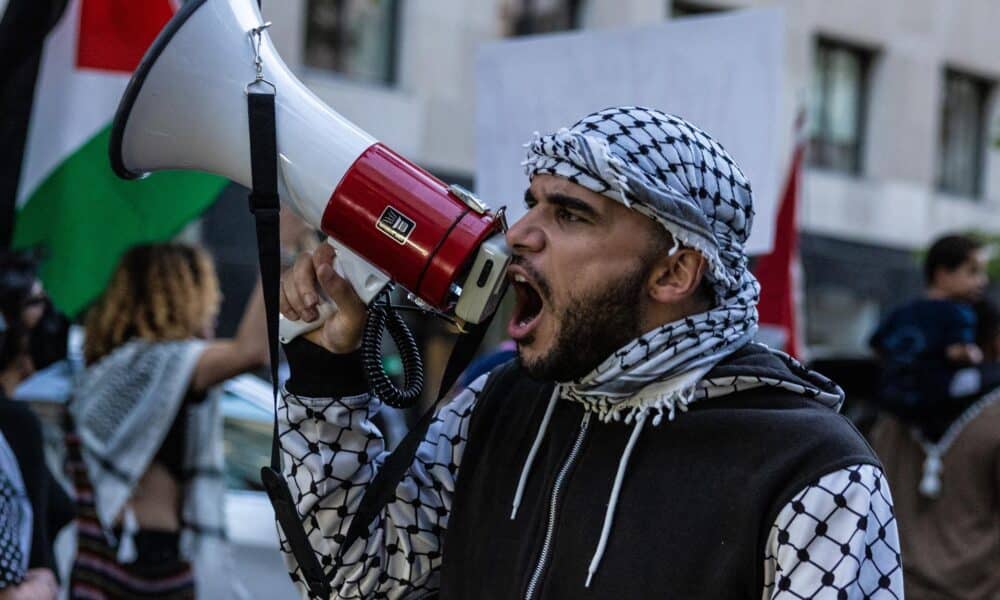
(258, 62)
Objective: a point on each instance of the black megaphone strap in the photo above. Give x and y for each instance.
(264, 204)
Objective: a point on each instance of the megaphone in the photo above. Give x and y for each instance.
(185, 108)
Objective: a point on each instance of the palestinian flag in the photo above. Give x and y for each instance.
(68, 200)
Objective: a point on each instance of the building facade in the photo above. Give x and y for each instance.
(899, 96)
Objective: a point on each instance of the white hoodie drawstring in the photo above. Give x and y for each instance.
(609, 516)
(526, 471)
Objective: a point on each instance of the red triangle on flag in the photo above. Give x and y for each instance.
(776, 272)
(114, 34)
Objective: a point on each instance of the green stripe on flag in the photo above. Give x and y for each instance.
(86, 217)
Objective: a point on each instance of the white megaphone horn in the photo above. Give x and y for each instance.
(186, 108)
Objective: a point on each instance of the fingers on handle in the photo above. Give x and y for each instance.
(324, 253)
(298, 289)
(284, 306)
(337, 287)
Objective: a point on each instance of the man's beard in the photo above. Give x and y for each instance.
(591, 329)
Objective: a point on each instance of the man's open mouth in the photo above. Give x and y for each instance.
(528, 306)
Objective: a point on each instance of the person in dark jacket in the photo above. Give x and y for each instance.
(25, 572)
(923, 343)
(641, 445)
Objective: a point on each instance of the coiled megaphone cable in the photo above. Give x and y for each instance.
(381, 316)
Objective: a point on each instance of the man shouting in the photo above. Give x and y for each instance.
(641, 445)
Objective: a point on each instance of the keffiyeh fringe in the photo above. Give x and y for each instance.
(659, 400)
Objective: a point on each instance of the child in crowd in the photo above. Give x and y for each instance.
(924, 342)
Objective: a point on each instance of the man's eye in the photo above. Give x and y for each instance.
(564, 215)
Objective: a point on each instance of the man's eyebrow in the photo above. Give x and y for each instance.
(529, 198)
(563, 200)
(573, 204)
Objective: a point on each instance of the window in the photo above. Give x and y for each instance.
(838, 104)
(680, 9)
(963, 129)
(526, 17)
(354, 37)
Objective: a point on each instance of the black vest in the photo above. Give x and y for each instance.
(696, 505)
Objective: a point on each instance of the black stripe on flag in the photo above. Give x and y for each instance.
(23, 28)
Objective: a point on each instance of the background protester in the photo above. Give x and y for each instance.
(924, 342)
(945, 487)
(146, 451)
(33, 506)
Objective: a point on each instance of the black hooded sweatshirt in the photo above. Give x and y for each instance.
(695, 508)
(698, 499)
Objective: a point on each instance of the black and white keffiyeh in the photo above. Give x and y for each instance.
(674, 173)
(123, 408)
(15, 519)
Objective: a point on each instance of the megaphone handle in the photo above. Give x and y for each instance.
(366, 280)
(288, 329)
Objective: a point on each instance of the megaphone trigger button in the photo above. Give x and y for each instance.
(484, 275)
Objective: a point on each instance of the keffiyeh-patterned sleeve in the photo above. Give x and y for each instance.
(15, 519)
(331, 452)
(837, 538)
(13, 525)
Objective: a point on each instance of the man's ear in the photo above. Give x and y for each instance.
(676, 278)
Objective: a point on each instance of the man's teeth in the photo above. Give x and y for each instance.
(520, 279)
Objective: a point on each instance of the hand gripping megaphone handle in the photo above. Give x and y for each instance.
(366, 280)
(288, 329)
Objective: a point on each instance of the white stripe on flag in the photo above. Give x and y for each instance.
(71, 105)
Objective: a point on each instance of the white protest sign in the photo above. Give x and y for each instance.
(723, 73)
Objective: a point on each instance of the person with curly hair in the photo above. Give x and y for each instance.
(146, 446)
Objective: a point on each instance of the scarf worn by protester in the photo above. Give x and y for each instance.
(669, 170)
(15, 519)
(123, 408)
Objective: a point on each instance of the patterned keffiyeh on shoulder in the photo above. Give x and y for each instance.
(123, 408)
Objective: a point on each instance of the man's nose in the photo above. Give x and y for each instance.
(525, 235)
